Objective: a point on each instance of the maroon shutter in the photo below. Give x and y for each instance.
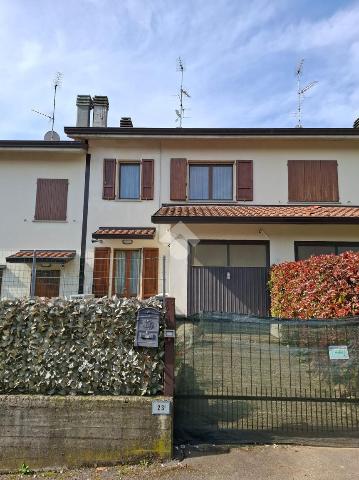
(150, 272)
(109, 178)
(51, 199)
(101, 271)
(245, 180)
(178, 178)
(147, 179)
(329, 181)
(313, 181)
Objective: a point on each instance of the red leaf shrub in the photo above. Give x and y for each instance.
(326, 286)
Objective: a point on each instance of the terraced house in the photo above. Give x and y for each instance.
(220, 204)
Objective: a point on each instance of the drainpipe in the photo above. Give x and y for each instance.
(33, 275)
(84, 225)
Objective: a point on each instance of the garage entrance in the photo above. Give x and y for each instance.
(228, 276)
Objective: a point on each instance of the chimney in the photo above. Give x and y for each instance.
(100, 110)
(84, 106)
(126, 122)
(356, 123)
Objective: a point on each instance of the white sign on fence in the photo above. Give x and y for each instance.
(339, 352)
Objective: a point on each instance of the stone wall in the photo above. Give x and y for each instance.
(48, 432)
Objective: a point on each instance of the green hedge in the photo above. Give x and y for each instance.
(81, 347)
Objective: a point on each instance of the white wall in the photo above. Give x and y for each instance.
(19, 171)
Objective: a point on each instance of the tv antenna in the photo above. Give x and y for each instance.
(52, 135)
(301, 91)
(182, 93)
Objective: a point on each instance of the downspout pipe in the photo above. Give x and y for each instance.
(84, 224)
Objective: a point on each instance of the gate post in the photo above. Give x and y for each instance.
(169, 370)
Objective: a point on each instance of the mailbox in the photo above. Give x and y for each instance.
(147, 328)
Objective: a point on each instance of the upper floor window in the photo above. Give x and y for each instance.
(210, 182)
(129, 181)
(304, 250)
(313, 181)
(51, 199)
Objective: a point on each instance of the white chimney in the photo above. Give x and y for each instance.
(84, 106)
(100, 111)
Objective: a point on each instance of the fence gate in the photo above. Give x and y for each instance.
(245, 379)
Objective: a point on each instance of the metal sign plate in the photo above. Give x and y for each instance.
(147, 328)
(170, 333)
(339, 352)
(161, 407)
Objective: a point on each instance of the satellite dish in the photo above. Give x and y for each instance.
(52, 136)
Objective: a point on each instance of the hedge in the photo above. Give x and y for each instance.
(85, 347)
(326, 286)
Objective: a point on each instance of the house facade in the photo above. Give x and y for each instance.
(201, 213)
(41, 185)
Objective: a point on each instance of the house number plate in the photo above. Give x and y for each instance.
(161, 407)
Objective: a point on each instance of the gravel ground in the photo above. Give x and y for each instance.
(259, 462)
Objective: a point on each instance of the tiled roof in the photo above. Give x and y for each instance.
(125, 232)
(51, 256)
(220, 213)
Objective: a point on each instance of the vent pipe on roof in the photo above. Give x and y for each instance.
(356, 123)
(84, 106)
(100, 111)
(126, 122)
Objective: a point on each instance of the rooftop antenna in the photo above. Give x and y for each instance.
(52, 135)
(180, 111)
(301, 91)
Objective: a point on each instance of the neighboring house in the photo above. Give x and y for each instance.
(41, 209)
(221, 205)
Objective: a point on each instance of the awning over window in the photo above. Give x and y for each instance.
(125, 232)
(222, 213)
(48, 256)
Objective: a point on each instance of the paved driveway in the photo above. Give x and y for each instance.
(247, 463)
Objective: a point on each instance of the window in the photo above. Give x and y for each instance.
(229, 254)
(127, 273)
(304, 250)
(210, 182)
(47, 283)
(129, 181)
(1, 270)
(313, 181)
(51, 199)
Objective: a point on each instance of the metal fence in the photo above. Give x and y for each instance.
(130, 274)
(247, 379)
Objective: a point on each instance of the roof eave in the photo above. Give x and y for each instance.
(257, 220)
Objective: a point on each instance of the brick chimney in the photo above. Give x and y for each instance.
(100, 111)
(84, 106)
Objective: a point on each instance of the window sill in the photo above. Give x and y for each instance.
(313, 203)
(50, 221)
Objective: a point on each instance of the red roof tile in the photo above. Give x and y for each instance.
(257, 214)
(125, 232)
(51, 256)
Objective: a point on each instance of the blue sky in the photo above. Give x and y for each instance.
(240, 58)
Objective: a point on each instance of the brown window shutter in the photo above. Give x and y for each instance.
(150, 272)
(245, 180)
(178, 178)
(147, 179)
(296, 180)
(313, 181)
(109, 178)
(51, 199)
(101, 271)
(329, 184)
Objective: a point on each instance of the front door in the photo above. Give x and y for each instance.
(229, 277)
(126, 273)
(47, 283)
